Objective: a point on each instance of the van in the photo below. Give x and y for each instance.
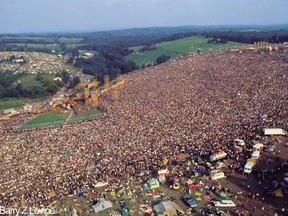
(258, 147)
(273, 131)
(239, 144)
(217, 156)
(255, 155)
(248, 167)
(216, 174)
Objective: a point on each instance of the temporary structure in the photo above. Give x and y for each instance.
(167, 208)
(153, 183)
(102, 205)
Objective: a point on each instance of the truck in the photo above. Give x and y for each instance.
(217, 156)
(273, 131)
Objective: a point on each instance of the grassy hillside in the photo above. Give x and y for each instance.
(177, 48)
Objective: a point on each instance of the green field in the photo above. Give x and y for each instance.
(85, 115)
(54, 117)
(70, 40)
(6, 103)
(58, 116)
(74, 45)
(177, 48)
(28, 80)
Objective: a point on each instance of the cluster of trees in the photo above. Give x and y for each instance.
(217, 41)
(148, 48)
(8, 87)
(163, 58)
(108, 61)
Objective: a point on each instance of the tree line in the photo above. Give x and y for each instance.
(250, 37)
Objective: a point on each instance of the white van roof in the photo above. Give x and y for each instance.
(238, 140)
(255, 154)
(258, 145)
(249, 164)
(227, 201)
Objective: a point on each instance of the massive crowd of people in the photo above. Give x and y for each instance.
(194, 104)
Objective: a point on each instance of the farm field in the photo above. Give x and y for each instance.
(69, 40)
(74, 45)
(177, 48)
(6, 103)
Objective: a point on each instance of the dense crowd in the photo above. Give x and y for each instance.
(194, 104)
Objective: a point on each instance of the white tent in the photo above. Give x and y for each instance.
(101, 205)
(167, 208)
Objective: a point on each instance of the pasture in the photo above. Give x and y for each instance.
(177, 48)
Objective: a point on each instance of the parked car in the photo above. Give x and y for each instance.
(220, 165)
(224, 203)
(216, 174)
(217, 156)
(189, 201)
(194, 184)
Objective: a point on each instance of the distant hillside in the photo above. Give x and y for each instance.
(176, 48)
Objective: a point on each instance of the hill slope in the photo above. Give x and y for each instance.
(177, 48)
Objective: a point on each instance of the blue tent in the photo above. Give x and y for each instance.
(145, 187)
